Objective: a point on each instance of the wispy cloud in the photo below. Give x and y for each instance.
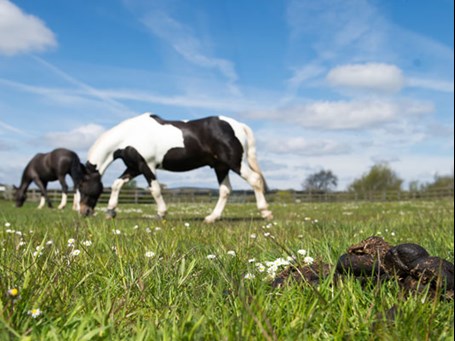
(185, 42)
(21, 32)
(87, 89)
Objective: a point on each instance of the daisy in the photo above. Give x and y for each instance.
(35, 312)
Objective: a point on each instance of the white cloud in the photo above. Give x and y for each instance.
(21, 32)
(78, 138)
(385, 78)
(431, 84)
(303, 146)
(343, 115)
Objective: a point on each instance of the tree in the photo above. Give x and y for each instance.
(322, 181)
(440, 182)
(132, 184)
(380, 178)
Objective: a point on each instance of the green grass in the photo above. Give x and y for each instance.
(112, 291)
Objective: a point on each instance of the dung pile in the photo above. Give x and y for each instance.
(375, 259)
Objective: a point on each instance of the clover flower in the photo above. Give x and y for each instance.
(231, 253)
(71, 242)
(150, 254)
(87, 243)
(308, 260)
(75, 253)
(249, 276)
(211, 257)
(302, 252)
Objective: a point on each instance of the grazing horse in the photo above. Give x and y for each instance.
(52, 166)
(147, 142)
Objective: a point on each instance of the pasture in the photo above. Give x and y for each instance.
(137, 278)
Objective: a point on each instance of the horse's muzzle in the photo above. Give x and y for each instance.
(86, 210)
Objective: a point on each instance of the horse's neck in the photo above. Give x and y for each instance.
(101, 154)
(25, 182)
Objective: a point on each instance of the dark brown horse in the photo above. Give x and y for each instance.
(48, 167)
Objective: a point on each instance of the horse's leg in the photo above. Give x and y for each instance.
(222, 175)
(64, 185)
(255, 180)
(155, 189)
(76, 200)
(43, 189)
(127, 175)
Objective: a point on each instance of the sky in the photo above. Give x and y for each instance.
(336, 85)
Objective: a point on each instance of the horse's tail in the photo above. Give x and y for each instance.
(251, 154)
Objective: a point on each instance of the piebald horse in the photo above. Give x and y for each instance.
(147, 143)
(48, 167)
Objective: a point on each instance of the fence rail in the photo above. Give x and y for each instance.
(143, 196)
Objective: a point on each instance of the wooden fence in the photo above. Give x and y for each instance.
(143, 196)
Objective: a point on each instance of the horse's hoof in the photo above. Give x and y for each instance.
(267, 215)
(111, 214)
(210, 219)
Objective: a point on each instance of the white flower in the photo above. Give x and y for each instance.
(393, 234)
(150, 254)
(231, 253)
(187, 224)
(251, 260)
(19, 233)
(266, 234)
(35, 312)
(9, 231)
(211, 256)
(157, 228)
(308, 260)
(49, 242)
(249, 276)
(87, 243)
(148, 230)
(71, 242)
(37, 254)
(75, 253)
(253, 236)
(7, 224)
(135, 227)
(21, 243)
(260, 267)
(117, 232)
(302, 252)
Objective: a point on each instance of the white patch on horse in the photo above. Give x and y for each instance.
(151, 139)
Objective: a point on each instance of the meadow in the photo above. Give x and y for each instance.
(64, 277)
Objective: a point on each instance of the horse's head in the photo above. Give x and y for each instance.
(20, 196)
(90, 189)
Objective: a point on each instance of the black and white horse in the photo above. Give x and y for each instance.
(52, 166)
(147, 142)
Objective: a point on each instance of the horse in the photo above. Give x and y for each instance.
(147, 143)
(47, 167)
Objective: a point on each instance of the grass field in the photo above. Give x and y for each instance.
(135, 278)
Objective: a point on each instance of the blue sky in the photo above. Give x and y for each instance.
(329, 84)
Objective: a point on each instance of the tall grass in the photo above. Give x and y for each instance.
(137, 278)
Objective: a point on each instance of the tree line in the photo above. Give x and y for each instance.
(380, 177)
